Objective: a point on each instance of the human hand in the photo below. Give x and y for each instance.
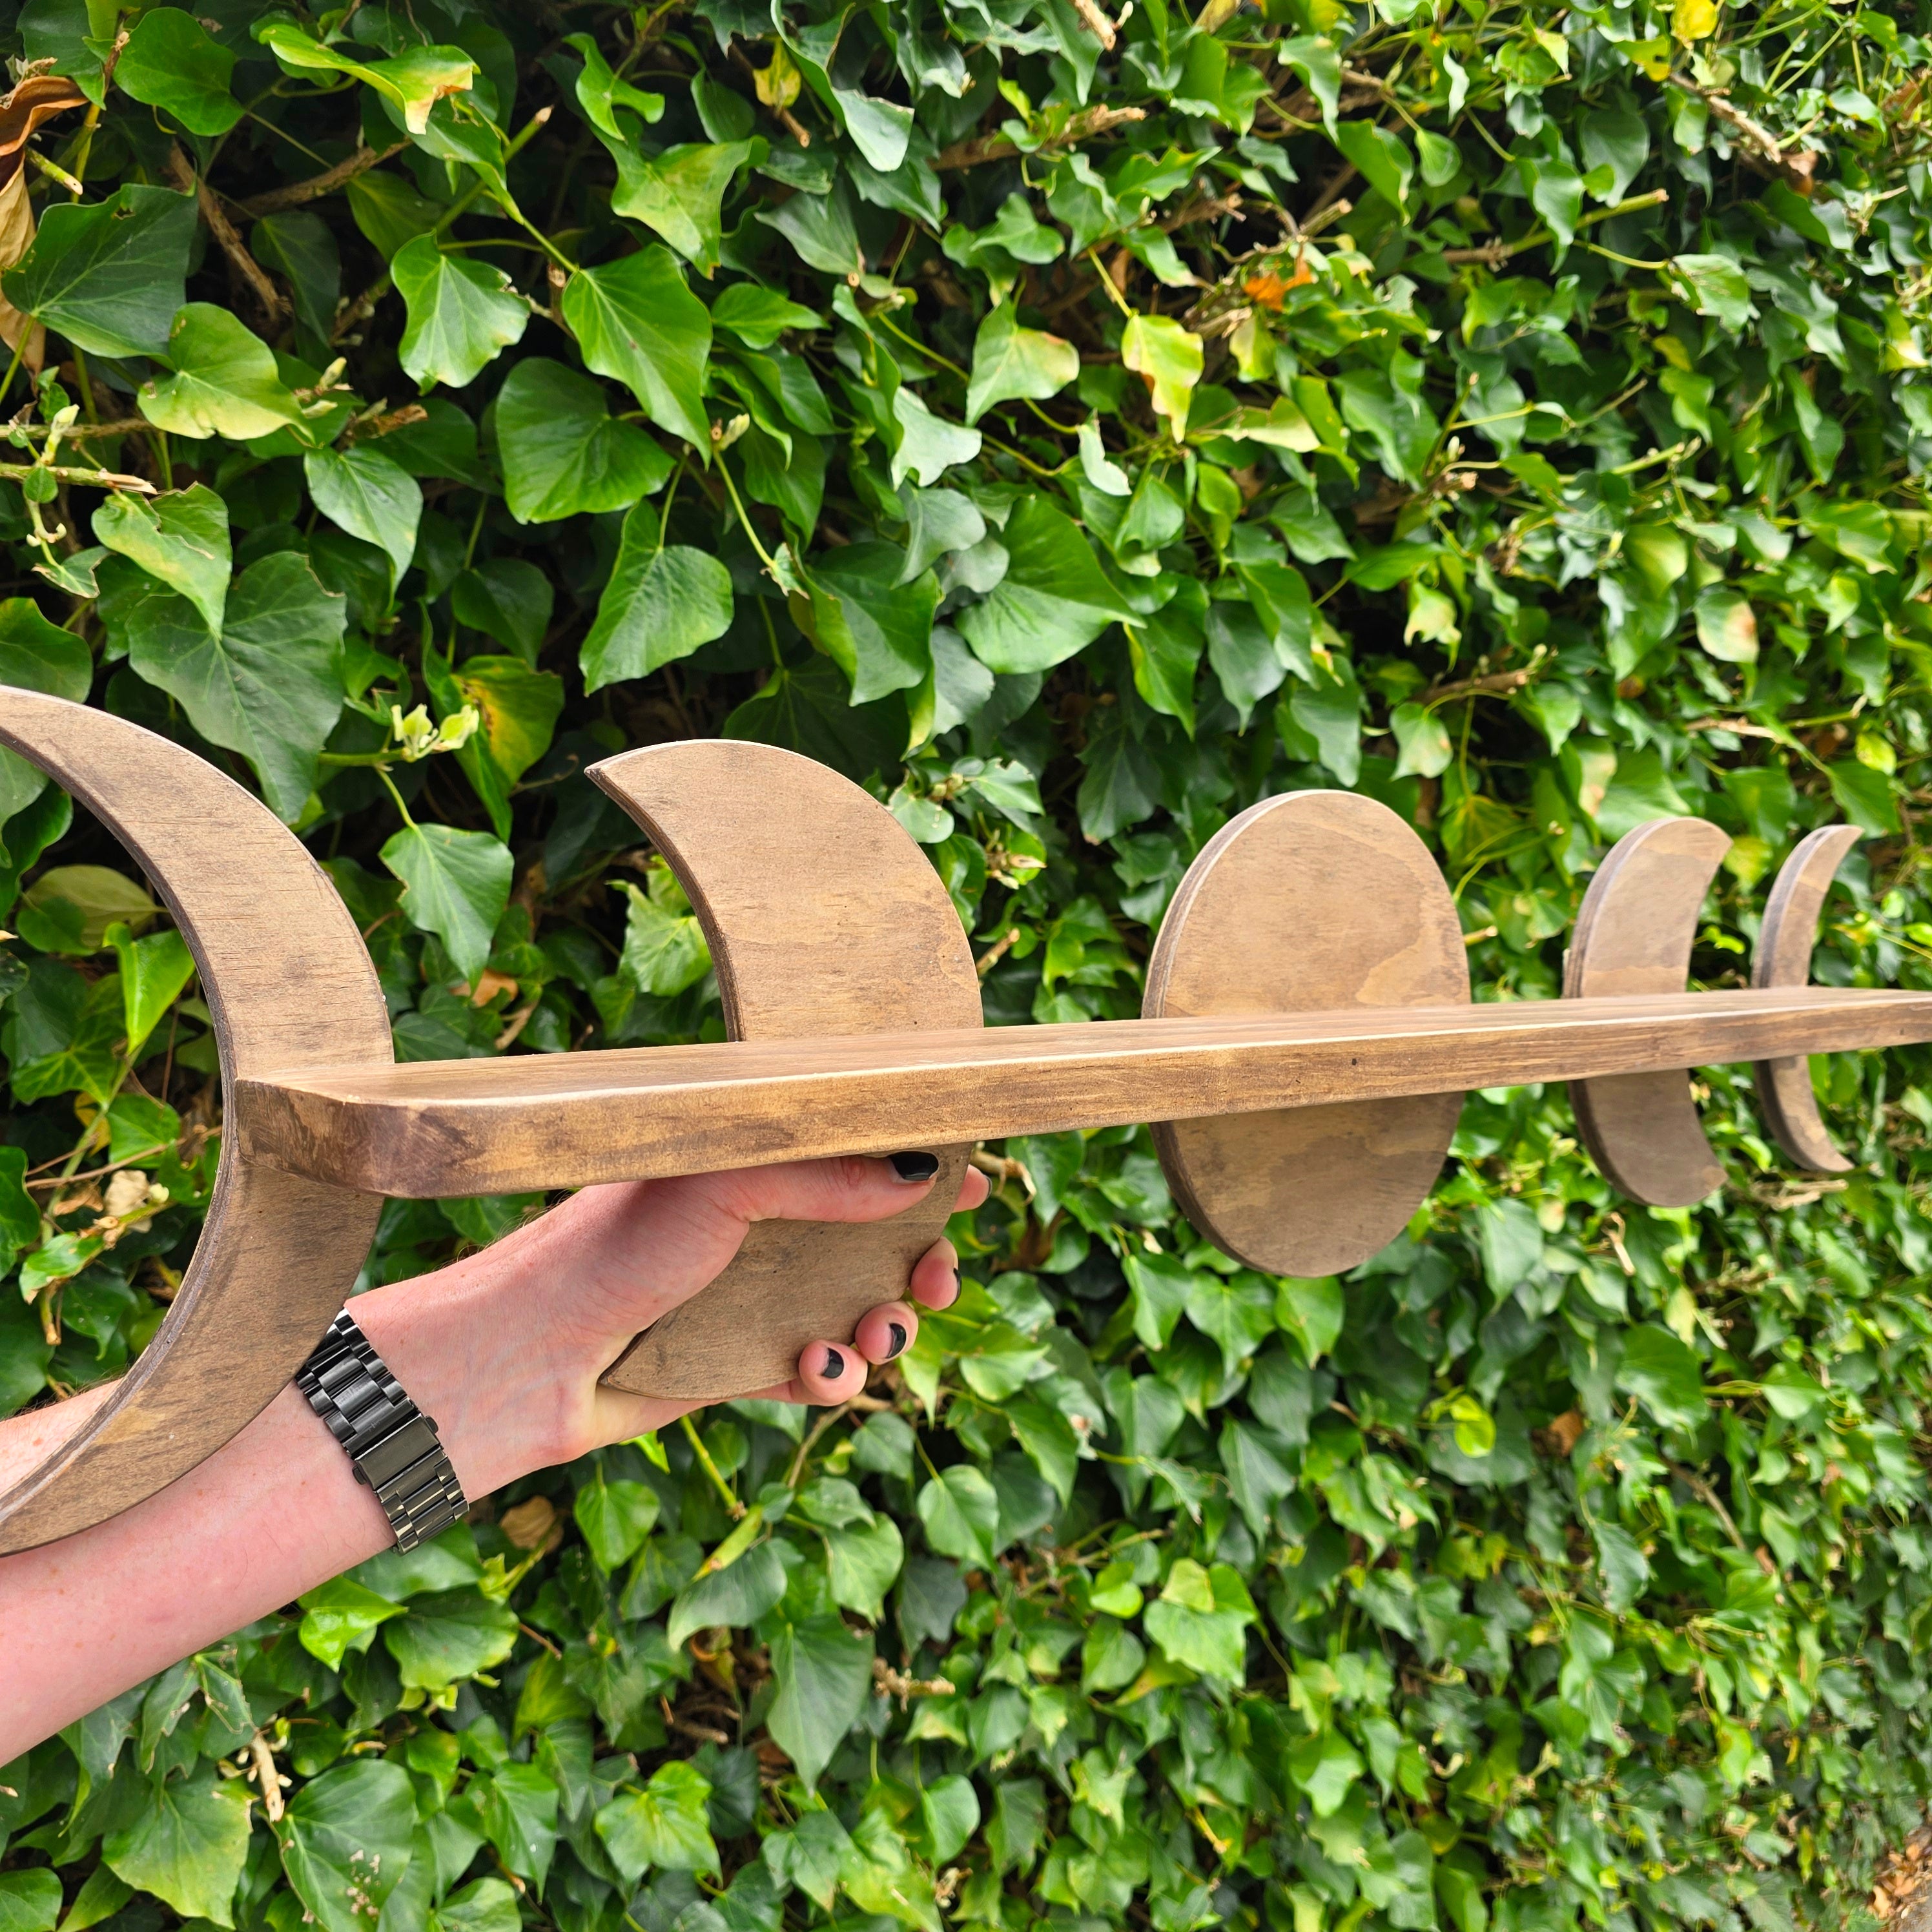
(505, 1347)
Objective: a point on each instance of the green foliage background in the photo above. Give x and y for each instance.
(1074, 428)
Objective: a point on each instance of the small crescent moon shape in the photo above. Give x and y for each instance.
(1634, 933)
(289, 984)
(824, 917)
(1783, 958)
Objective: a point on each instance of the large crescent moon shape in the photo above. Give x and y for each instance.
(1783, 958)
(1308, 902)
(289, 984)
(1634, 933)
(823, 918)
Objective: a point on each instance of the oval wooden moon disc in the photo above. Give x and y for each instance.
(1306, 903)
(824, 918)
(1785, 941)
(1634, 932)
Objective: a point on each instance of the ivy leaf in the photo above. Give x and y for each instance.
(949, 1808)
(225, 382)
(370, 496)
(757, 317)
(447, 1636)
(415, 81)
(339, 1616)
(154, 972)
(517, 1805)
(734, 1597)
(463, 313)
(1169, 359)
(1726, 625)
(456, 885)
(483, 1905)
(508, 598)
(35, 655)
(678, 193)
(615, 1518)
(563, 453)
(172, 62)
(862, 1561)
(1201, 1619)
(1010, 363)
(1053, 600)
(824, 1675)
(517, 708)
(665, 1825)
(187, 1845)
(1664, 1375)
(1716, 287)
(929, 446)
(266, 686)
(110, 274)
(636, 322)
(180, 538)
(852, 604)
(600, 93)
(346, 1839)
(1383, 158)
(961, 1510)
(30, 1900)
(663, 602)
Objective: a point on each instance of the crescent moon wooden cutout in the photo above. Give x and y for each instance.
(1634, 932)
(824, 918)
(1783, 958)
(289, 983)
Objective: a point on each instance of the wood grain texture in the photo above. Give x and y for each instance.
(1783, 958)
(287, 981)
(1313, 902)
(483, 1126)
(1634, 933)
(824, 917)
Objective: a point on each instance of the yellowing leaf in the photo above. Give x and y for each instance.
(1168, 359)
(1693, 19)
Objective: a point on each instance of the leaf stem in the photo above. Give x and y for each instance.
(382, 771)
(711, 1469)
(737, 503)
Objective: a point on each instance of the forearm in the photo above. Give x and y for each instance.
(502, 1350)
(275, 1512)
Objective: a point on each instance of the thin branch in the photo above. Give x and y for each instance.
(1089, 121)
(225, 232)
(299, 194)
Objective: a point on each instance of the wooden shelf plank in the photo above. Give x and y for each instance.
(440, 1128)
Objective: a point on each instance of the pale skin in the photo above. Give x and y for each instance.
(503, 1348)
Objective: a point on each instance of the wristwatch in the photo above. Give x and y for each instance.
(394, 1446)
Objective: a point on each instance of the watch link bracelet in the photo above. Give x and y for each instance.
(394, 1446)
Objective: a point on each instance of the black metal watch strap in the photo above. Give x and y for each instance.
(394, 1446)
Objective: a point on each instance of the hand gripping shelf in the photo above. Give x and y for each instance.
(1308, 1033)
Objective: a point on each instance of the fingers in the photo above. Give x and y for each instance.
(935, 1276)
(885, 1332)
(973, 1188)
(829, 1373)
(856, 1188)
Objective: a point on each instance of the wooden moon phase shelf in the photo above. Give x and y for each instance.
(1311, 902)
(1307, 1035)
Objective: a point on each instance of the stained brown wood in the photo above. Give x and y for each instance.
(1313, 902)
(483, 1127)
(287, 981)
(1783, 958)
(1634, 933)
(824, 917)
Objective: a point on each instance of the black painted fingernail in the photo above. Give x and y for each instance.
(957, 1283)
(899, 1335)
(835, 1365)
(914, 1166)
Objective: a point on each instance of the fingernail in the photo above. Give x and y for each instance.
(914, 1166)
(957, 1283)
(899, 1335)
(835, 1365)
